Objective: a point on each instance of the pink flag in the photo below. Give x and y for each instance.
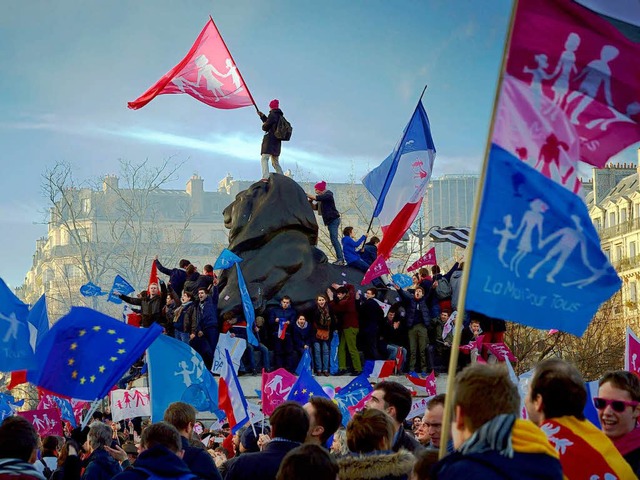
(587, 67)
(428, 258)
(358, 407)
(275, 388)
(378, 267)
(632, 352)
(501, 352)
(431, 384)
(208, 73)
(45, 421)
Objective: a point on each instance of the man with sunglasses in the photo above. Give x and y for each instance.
(618, 409)
(555, 402)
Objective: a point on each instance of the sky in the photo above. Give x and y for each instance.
(348, 76)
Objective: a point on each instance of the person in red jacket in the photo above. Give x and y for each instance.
(344, 305)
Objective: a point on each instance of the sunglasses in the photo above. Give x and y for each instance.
(617, 405)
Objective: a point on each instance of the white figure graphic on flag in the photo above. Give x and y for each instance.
(12, 331)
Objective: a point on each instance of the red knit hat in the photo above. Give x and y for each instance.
(321, 186)
(275, 103)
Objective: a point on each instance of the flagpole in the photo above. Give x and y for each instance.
(234, 62)
(94, 406)
(404, 135)
(457, 331)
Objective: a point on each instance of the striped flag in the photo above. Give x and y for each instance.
(379, 368)
(232, 399)
(456, 235)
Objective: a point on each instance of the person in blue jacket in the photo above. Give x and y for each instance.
(281, 320)
(349, 248)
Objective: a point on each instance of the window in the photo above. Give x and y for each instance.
(618, 252)
(612, 219)
(633, 293)
(632, 249)
(86, 205)
(71, 272)
(623, 215)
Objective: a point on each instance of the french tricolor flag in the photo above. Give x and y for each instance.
(400, 182)
(379, 368)
(231, 398)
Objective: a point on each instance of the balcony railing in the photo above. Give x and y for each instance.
(627, 264)
(620, 229)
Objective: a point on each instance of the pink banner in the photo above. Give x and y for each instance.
(501, 352)
(378, 267)
(46, 421)
(587, 68)
(207, 73)
(632, 352)
(428, 258)
(275, 388)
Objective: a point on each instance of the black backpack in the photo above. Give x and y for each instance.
(443, 290)
(283, 129)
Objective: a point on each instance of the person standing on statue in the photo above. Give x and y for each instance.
(325, 204)
(271, 145)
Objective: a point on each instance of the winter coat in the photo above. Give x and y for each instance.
(349, 246)
(159, 461)
(207, 311)
(302, 336)
(317, 320)
(376, 466)
(101, 466)
(262, 465)
(151, 308)
(417, 310)
(369, 253)
(177, 277)
(456, 278)
(404, 441)
(326, 207)
(16, 469)
(346, 310)
(283, 315)
(371, 316)
(270, 144)
(191, 283)
(198, 461)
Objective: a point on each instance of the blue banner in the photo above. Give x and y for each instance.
(226, 260)
(91, 290)
(537, 258)
(120, 285)
(16, 352)
(247, 308)
(39, 319)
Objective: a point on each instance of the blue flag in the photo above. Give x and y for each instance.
(537, 258)
(86, 352)
(8, 405)
(120, 285)
(247, 308)
(226, 260)
(590, 412)
(39, 319)
(91, 290)
(351, 394)
(16, 352)
(305, 387)
(334, 364)
(66, 410)
(402, 280)
(305, 362)
(178, 374)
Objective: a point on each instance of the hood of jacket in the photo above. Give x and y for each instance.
(457, 274)
(376, 465)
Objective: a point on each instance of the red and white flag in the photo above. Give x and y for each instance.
(380, 368)
(400, 181)
(428, 258)
(632, 352)
(378, 267)
(282, 330)
(231, 397)
(208, 73)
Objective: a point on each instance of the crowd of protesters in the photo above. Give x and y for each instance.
(489, 439)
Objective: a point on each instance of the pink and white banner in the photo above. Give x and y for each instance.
(46, 421)
(377, 268)
(131, 403)
(428, 258)
(207, 73)
(632, 352)
(501, 352)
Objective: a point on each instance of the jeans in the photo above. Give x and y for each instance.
(359, 264)
(321, 349)
(275, 161)
(333, 227)
(392, 352)
(182, 336)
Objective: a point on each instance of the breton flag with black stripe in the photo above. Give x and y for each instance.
(456, 235)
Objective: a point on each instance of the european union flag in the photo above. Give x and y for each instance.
(226, 260)
(306, 387)
(86, 352)
(39, 319)
(16, 352)
(351, 394)
(537, 258)
(178, 374)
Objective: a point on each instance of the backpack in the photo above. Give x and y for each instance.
(47, 472)
(443, 290)
(283, 129)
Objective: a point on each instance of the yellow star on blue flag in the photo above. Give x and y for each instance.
(86, 352)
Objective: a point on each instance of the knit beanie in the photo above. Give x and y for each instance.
(275, 103)
(321, 186)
